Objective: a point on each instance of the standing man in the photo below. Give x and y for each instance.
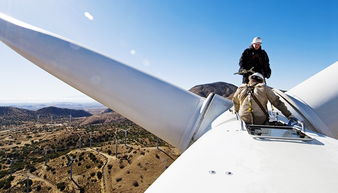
(254, 59)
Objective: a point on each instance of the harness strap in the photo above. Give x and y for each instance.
(251, 92)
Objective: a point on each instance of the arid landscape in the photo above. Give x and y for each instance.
(94, 150)
(63, 156)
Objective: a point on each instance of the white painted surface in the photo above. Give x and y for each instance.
(171, 113)
(256, 166)
(163, 109)
(144, 99)
(320, 93)
(216, 107)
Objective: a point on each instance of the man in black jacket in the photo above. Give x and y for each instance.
(254, 59)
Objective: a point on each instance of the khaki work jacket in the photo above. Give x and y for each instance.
(247, 108)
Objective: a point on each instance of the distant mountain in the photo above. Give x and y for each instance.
(221, 88)
(62, 112)
(107, 111)
(67, 105)
(14, 115)
(18, 113)
(105, 117)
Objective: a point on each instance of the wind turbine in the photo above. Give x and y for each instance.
(37, 118)
(11, 160)
(161, 150)
(45, 155)
(27, 187)
(125, 131)
(79, 141)
(90, 139)
(70, 165)
(116, 142)
(220, 154)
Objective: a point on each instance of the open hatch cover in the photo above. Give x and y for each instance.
(277, 132)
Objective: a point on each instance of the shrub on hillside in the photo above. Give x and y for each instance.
(61, 186)
(99, 175)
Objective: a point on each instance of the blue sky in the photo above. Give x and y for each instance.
(185, 42)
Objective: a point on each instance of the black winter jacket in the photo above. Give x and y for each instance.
(258, 59)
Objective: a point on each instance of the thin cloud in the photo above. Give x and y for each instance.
(88, 15)
(132, 52)
(146, 62)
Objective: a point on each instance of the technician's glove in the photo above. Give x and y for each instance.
(292, 121)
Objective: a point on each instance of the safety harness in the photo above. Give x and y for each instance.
(250, 92)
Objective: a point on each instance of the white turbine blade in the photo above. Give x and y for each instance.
(167, 111)
(317, 99)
